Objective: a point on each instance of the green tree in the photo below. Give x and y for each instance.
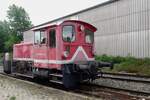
(12, 39)
(4, 34)
(19, 21)
(18, 18)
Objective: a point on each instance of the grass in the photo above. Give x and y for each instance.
(127, 64)
(12, 98)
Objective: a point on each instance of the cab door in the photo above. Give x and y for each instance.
(52, 48)
(40, 49)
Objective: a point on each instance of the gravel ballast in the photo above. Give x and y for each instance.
(123, 84)
(16, 89)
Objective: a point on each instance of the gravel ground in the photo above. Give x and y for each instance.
(15, 89)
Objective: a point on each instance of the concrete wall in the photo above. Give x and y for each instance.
(123, 27)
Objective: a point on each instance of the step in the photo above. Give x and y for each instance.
(53, 81)
(56, 75)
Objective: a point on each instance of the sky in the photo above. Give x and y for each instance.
(41, 11)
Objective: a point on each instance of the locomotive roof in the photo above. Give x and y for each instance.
(83, 23)
(73, 21)
(43, 28)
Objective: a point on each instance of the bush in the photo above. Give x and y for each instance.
(127, 64)
(106, 58)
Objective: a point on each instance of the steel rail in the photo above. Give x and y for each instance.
(125, 77)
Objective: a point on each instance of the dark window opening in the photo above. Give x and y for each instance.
(52, 38)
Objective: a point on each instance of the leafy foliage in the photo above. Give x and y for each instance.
(12, 39)
(11, 31)
(4, 33)
(19, 19)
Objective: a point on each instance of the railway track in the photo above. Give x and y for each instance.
(128, 82)
(130, 77)
(90, 90)
(107, 93)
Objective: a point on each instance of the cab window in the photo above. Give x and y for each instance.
(68, 33)
(43, 37)
(39, 37)
(89, 36)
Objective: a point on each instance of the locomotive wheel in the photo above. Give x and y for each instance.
(70, 79)
(7, 67)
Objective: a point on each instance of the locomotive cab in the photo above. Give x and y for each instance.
(78, 41)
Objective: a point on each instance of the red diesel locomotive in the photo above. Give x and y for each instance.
(62, 53)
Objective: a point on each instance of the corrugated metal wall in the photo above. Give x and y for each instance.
(123, 27)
